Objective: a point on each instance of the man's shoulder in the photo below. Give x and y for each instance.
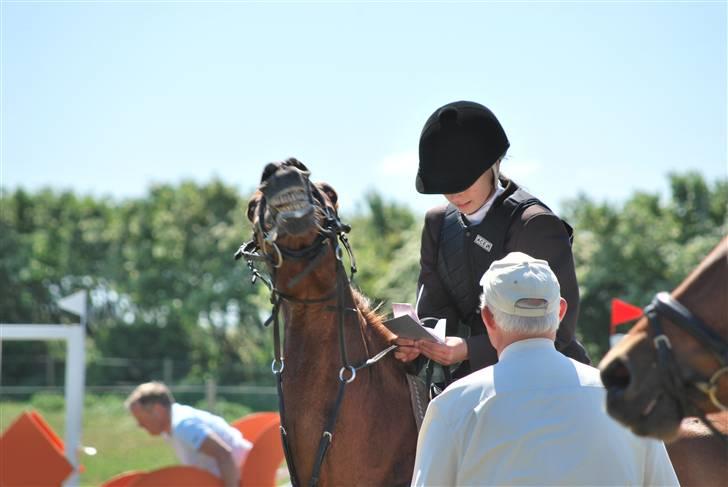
(461, 400)
(184, 416)
(185, 411)
(474, 387)
(588, 375)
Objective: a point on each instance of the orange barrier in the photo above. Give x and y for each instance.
(252, 425)
(177, 476)
(123, 479)
(263, 430)
(27, 444)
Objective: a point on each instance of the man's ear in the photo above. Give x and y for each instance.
(563, 306)
(330, 192)
(487, 317)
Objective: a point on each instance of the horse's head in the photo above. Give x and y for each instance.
(288, 206)
(294, 222)
(635, 395)
(654, 381)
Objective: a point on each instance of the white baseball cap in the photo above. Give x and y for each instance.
(520, 285)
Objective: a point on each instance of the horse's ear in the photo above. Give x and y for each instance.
(252, 204)
(269, 169)
(329, 191)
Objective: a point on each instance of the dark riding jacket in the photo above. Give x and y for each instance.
(454, 255)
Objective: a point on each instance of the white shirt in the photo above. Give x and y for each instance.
(191, 426)
(534, 418)
(478, 215)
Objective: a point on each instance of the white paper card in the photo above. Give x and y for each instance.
(406, 324)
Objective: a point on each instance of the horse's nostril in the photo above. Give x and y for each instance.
(616, 375)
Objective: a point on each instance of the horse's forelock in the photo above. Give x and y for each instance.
(292, 161)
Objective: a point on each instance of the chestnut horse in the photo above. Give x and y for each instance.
(673, 364)
(346, 414)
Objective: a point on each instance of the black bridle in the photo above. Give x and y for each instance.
(663, 305)
(331, 232)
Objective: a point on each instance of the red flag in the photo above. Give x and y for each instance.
(623, 312)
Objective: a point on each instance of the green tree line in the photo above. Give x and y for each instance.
(163, 283)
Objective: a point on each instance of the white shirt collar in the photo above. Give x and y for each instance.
(521, 346)
(478, 215)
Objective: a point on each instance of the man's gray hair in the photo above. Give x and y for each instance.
(522, 324)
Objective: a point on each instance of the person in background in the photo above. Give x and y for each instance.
(536, 417)
(487, 216)
(198, 437)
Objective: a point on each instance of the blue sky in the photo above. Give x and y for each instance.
(602, 98)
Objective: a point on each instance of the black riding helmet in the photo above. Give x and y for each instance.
(459, 142)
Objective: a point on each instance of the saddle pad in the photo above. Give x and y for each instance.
(418, 397)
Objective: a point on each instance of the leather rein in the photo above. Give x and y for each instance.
(331, 233)
(664, 306)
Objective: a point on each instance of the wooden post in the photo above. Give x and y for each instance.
(50, 370)
(167, 370)
(210, 394)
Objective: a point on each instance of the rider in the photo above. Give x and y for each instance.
(487, 216)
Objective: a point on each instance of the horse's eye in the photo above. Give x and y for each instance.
(252, 205)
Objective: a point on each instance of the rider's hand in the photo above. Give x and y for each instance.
(454, 350)
(407, 350)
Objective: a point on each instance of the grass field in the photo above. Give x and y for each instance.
(121, 445)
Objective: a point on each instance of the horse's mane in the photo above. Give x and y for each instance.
(372, 316)
(711, 268)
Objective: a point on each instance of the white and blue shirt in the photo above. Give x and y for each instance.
(534, 418)
(189, 429)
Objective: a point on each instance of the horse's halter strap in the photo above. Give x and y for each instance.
(332, 231)
(663, 305)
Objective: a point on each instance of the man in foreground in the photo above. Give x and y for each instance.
(536, 417)
(199, 438)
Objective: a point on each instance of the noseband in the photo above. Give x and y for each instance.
(664, 306)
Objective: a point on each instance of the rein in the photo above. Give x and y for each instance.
(333, 231)
(663, 305)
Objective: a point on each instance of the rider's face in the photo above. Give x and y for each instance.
(471, 199)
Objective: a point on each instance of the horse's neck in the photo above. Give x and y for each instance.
(705, 290)
(313, 332)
